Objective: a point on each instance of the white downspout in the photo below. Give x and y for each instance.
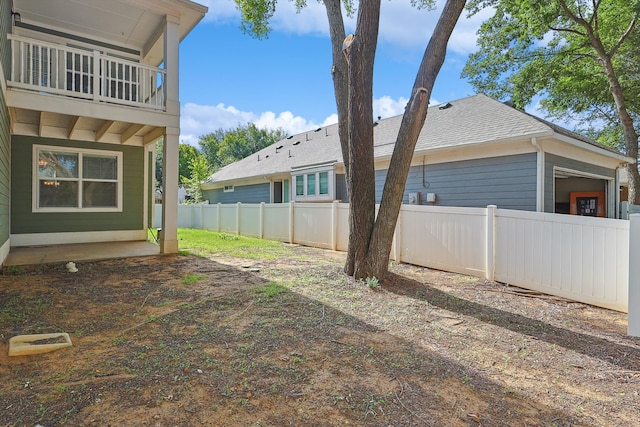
(539, 175)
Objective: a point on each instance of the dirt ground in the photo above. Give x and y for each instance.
(188, 341)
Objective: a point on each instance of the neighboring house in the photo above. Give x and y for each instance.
(87, 87)
(472, 152)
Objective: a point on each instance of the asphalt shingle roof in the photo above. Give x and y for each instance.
(468, 121)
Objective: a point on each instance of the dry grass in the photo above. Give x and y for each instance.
(187, 340)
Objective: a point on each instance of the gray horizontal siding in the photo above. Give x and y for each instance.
(508, 182)
(551, 161)
(254, 193)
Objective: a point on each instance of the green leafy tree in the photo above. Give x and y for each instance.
(370, 237)
(186, 154)
(582, 56)
(199, 172)
(223, 147)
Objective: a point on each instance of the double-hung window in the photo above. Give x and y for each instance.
(75, 180)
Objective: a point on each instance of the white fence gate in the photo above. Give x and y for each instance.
(581, 258)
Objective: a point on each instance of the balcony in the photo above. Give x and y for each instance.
(59, 70)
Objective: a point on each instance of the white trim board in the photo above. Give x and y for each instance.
(43, 239)
(4, 251)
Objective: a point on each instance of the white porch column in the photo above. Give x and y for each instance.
(171, 50)
(169, 239)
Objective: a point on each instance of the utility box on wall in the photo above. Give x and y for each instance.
(414, 198)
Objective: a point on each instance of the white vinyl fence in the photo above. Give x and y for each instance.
(580, 258)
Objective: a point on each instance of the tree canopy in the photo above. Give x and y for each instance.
(580, 56)
(217, 149)
(225, 146)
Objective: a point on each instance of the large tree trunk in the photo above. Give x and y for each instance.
(361, 177)
(410, 128)
(340, 75)
(370, 239)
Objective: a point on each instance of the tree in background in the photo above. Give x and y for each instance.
(582, 56)
(218, 149)
(159, 171)
(186, 155)
(199, 172)
(223, 147)
(370, 237)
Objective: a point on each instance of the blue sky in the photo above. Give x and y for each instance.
(228, 78)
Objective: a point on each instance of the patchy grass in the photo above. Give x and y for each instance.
(190, 279)
(209, 243)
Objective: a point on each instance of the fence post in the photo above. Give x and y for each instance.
(633, 317)
(490, 266)
(218, 217)
(201, 216)
(334, 225)
(261, 229)
(291, 221)
(238, 206)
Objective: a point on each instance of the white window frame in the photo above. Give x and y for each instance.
(228, 189)
(305, 197)
(35, 192)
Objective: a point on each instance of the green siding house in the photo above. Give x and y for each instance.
(87, 88)
(472, 152)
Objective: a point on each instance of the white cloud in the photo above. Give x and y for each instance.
(388, 107)
(220, 10)
(197, 120)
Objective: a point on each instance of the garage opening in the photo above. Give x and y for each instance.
(578, 193)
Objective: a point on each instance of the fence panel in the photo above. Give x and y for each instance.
(210, 217)
(228, 218)
(312, 224)
(342, 222)
(249, 220)
(276, 222)
(580, 258)
(452, 239)
(185, 216)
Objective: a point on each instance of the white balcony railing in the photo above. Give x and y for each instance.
(72, 72)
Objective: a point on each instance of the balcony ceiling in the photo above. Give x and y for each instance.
(135, 24)
(82, 128)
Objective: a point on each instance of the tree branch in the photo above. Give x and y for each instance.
(577, 19)
(624, 36)
(568, 30)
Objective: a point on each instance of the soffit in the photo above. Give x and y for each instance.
(135, 24)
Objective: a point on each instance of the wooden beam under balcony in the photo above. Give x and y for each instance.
(104, 129)
(41, 123)
(130, 132)
(73, 126)
(153, 135)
